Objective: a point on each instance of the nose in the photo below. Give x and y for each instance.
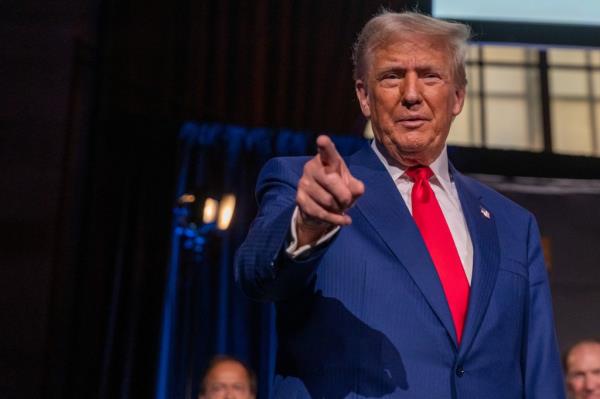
(411, 95)
(591, 383)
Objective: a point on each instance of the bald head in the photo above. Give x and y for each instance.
(228, 378)
(582, 369)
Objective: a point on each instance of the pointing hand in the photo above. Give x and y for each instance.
(325, 191)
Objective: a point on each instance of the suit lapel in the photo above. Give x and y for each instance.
(383, 206)
(486, 255)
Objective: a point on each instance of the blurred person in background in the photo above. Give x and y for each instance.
(582, 369)
(227, 378)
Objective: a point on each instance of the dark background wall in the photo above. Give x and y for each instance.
(92, 96)
(40, 125)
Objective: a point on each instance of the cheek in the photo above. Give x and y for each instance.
(575, 386)
(384, 100)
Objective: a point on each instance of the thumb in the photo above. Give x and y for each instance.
(357, 187)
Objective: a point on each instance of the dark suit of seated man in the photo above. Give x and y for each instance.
(394, 275)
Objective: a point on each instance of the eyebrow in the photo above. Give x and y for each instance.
(419, 70)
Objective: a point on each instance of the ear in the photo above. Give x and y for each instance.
(459, 100)
(363, 97)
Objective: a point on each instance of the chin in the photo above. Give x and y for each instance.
(414, 146)
(417, 154)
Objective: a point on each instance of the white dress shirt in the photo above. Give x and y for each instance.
(444, 189)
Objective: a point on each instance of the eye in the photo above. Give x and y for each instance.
(390, 79)
(390, 76)
(432, 77)
(216, 388)
(239, 387)
(576, 376)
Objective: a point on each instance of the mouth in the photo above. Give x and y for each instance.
(412, 122)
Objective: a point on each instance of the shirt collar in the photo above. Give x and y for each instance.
(439, 167)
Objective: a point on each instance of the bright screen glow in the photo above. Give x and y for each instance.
(580, 12)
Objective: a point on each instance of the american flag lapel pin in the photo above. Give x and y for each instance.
(485, 213)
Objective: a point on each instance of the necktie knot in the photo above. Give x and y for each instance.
(420, 176)
(419, 173)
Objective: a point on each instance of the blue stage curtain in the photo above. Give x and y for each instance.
(204, 312)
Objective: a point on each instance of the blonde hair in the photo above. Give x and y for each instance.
(387, 27)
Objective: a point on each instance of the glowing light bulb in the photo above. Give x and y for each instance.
(226, 211)
(209, 213)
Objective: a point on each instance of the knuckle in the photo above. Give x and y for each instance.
(309, 166)
(346, 199)
(307, 211)
(331, 179)
(303, 182)
(301, 199)
(322, 214)
(331, 202)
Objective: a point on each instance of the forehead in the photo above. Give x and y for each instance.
(411, 49)
(228, 371)
(586, 355)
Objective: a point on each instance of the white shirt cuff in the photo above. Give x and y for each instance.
(293, 251)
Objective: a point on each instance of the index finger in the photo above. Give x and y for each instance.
(330, 158)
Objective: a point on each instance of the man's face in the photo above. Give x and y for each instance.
(583, 371)
(410, 95)
(227, 380)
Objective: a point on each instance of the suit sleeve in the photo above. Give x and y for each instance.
(543, 373)
(262, 268)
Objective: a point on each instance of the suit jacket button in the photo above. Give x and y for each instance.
(460, 371)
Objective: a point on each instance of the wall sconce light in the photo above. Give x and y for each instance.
(226, 211)
(196, 227)
(219, 212)
(209, 212)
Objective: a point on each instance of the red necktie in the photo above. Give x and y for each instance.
(430, 220)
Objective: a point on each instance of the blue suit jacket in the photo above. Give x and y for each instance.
(366, 316)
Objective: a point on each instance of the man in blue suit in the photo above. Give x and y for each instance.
(393, 275)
